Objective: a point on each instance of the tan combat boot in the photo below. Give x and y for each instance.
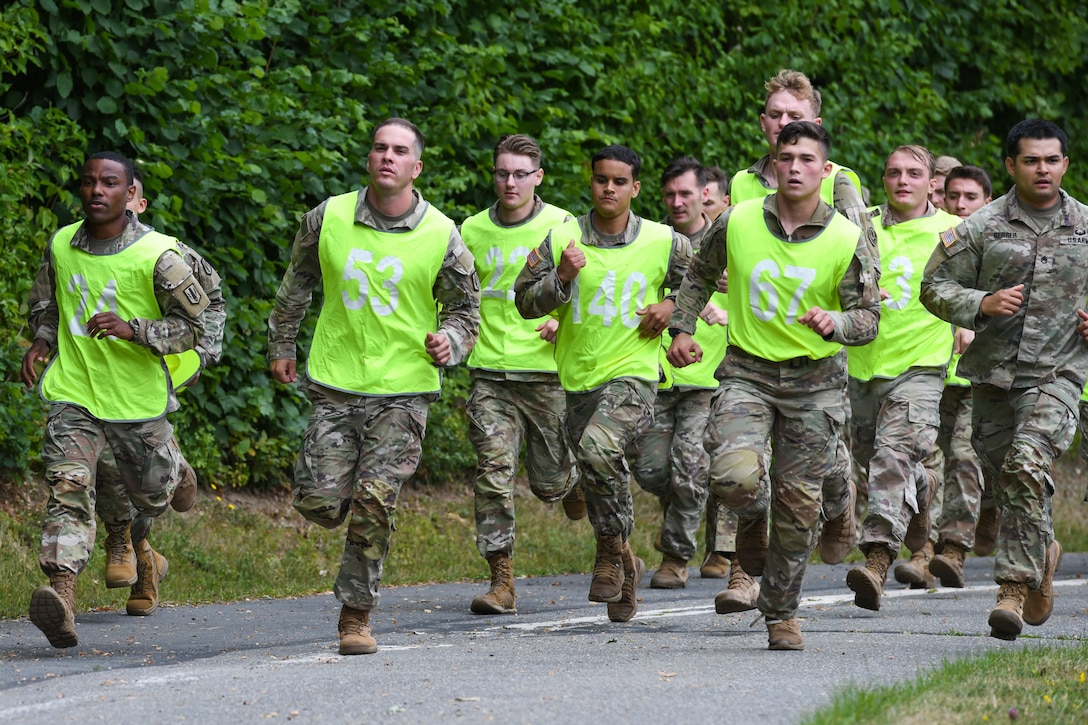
(185, 494)
(354, 629)
(672, 574)
(916, 571)
(607, 580)
(500, 598)
(741, 593)
(633, 570)
(1007, 618)
(53, 609)
(948, 565)
(838, 535)
(752, 543)
(151, 569)
(574, 504)
(784, 634)
(867, 582)
(715, 566)
(120, 557)
(1039, 603)
(989, 521)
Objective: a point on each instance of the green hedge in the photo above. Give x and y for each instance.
(243, 115)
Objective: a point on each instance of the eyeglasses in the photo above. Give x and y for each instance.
(519, 176)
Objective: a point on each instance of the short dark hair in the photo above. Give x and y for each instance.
(114, 156)
(974, 173)
(681, 166)
(805, 129)
(1034, 128)
(716, 175)
(404, 123)
(615, 152)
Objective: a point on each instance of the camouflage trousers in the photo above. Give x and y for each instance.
(1083, 426)
(1018, 434)
(721, 527)
(356, 454)
(962, 495)
(113, 505)
(798, 408)
(601, 424)
(74, 442)
(670, 461)
(502, 414)
(894, 427)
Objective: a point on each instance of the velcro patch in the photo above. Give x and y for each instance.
(948, 238)
(533, 259)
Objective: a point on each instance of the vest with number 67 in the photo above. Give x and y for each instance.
(773, 282)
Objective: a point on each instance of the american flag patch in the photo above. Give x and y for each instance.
(533, 259)
(948, 237)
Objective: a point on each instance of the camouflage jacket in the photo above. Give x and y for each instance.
(859, 291)
(538, 289)
(457, 287)
(999, 247)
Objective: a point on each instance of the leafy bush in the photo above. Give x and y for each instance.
(245, 113)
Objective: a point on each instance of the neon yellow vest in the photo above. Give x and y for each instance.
(713, 339)
(952, 378)
(773, 282)
(507, 340)
(598, 338)
(379, 303)
(909, 335)
(115, 380)
(746, 185)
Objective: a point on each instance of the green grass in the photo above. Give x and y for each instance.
(1029, 685)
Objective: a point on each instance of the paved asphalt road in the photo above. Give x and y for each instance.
(559, 660)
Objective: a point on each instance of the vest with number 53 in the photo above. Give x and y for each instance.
(379, 303)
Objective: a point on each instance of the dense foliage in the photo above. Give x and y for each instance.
(243, 115)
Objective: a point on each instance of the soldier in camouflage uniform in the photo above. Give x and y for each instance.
(896, 380)
(1016, 272)
(605, 275)
(516, 396)
(717, 196)
(669, 459)
(790, 96)
(113, 505)
(390, 265)
(95, 274)
(956, 519)
(785, 371)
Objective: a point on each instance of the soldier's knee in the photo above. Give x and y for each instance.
(325, 511)
(736, 477)
(68, 476)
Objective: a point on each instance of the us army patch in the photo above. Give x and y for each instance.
(533, 259)
(948, 238)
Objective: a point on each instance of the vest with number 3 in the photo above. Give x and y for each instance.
(379, 303)
(774, 282)
(115, 380)
(598, 338)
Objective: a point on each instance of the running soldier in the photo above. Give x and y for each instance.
(796, 297)
(606, 276)
(516, 394)
(1016, 272)
(402, 301)
(120, 297)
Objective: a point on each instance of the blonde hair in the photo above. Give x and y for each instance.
(920, 153)
(796, 84)
(946, 164)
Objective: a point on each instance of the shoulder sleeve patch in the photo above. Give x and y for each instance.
(948, 238)
(533, 259)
